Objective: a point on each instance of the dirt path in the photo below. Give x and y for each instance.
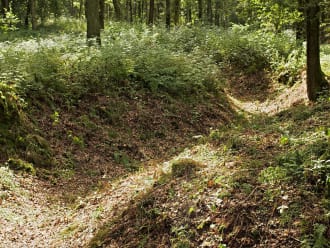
(283, 100)
(31, 219)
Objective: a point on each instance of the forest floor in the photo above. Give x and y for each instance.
(235, 195)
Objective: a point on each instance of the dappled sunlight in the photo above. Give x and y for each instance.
(282, 100)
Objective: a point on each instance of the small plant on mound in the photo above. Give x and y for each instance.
(21, 165)
(7, 182)
(10, 103)
(38, 150)
(185, 167)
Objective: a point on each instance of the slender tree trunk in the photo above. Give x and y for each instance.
(158, 11)
(101, 13)
(72, 11)
(200, 10)
(116, 7)
(315, 77)
(27, 16)
(134, 9)
(300, 24)
(139, 10)
(81, 6)
(130, 11)
(151, 12)
(188, 13)
(177, 10)
(33, 14)
(92, 9)
(168, 14)
(145, 12)
(209, 13)
(217, 13)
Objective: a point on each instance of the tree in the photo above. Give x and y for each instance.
(93, 20)
(168, 13)
(151, 12)
(4, 7)
(315, 77)
(177, 10)
(116, 6)
(217, 13)
(33, 14)
(209, 13)
(200, 10)
(101, 13)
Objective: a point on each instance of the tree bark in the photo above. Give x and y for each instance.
(101, 13)
(300, 25)
(209, 11)
(200, 10)
(92, 9)
(116, 7)
(151, 12)
(81, 6)
(4, 7)
(130, 10)
(177, 8)
(168, 14)
(139, 10)
(33, 14)
(188, 13)
(315, 77)
(217, 13)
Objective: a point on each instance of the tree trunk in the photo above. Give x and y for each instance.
(101, 13)
(4, 7)
(315, 77)
(116, 7)
(300, 25)
(93, 20)
(33, 14)
(200, 10)
(151, 12)
(72, 9)
(188, 13)
(217, 13)
(209, 12)
(81, 6)
(28, 10)
(177, 8)
(168, 14)
(139, 10)
(130, 11)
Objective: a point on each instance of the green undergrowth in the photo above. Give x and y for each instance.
(267, 185)
(181, 63)
(325, 59)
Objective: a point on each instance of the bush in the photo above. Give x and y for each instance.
(20, 165)
(10, 102)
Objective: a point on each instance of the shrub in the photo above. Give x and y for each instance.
(20, 165)
(185, 167)
(10, 102)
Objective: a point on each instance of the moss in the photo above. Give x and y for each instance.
(21, 165)
(185, 167)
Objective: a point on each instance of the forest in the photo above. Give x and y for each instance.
(165, 123)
